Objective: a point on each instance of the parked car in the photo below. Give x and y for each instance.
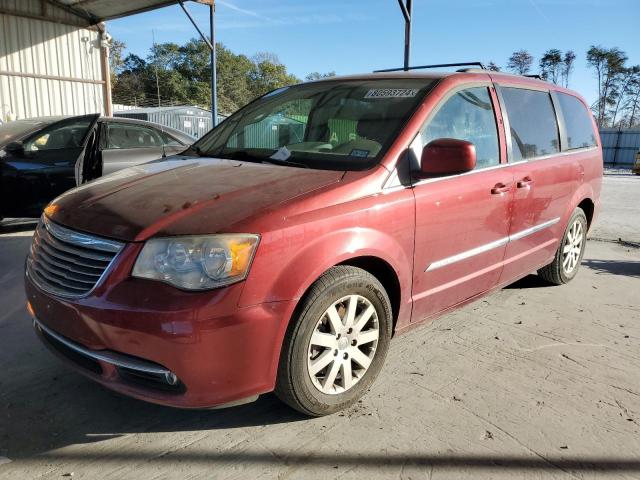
(41, 158)
(260, 261)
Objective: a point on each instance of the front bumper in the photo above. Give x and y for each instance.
(135, 336)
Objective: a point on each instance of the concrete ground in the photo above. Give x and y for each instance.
(532, 382)
(620, 215)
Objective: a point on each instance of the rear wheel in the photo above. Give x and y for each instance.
(336, 346)
(569, 254)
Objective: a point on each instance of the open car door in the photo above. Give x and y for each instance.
(44, 166)
(89, 150)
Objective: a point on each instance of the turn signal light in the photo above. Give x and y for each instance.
(50, 209)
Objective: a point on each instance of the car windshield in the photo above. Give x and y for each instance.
(12, 131)
(334, 125)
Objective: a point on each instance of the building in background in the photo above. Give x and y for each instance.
(192, 120)
(53, 61)
(620, 146)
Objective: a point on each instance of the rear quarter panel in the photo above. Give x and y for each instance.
(590, 163)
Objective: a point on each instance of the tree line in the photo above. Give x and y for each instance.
(618, 102)
(175, 74)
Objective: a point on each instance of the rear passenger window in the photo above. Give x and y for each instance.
(169, 141)
(126, 135)
(534, 130)
(468, 115)
(577, 123)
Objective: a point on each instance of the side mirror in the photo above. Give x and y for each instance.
(15, 148)
(447, 156)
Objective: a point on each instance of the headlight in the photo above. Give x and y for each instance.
(197, 262)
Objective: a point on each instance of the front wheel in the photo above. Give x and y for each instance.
(569, 254)
(337, 343)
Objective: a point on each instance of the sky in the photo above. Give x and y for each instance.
(355, 36)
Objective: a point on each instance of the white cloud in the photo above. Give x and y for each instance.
(298, 15)
(244, 11)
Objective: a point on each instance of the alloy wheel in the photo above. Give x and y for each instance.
(343, 344)
(572, 247)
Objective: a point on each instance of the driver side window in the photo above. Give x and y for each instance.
(59, 137)
(468, 115)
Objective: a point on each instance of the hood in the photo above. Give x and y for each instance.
(182, 196)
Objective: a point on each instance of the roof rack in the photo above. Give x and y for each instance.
(535, 75)
(439, 65)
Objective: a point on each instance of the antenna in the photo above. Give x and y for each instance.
(164, 153)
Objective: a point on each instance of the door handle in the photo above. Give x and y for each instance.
(500, 188)
(525, 182)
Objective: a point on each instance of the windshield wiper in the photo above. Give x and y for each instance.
(287, 163)
(247, 157)
(240, 155)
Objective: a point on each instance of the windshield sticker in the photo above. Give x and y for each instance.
(282, 153)
(391, 93)
(356, 152)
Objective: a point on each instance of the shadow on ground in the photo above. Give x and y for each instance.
(44, 406)
(77, 411)
(567, 464)
(614, 267)
(530, 281)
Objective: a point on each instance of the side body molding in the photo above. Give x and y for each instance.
(490, 246)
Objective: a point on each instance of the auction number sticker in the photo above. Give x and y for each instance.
(391, 93)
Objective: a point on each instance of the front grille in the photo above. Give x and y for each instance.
(68, 263)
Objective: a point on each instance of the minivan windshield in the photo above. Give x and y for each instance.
(333, 125)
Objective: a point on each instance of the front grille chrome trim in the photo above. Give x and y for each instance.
(81, 239)
(67, 263)
(106, 356)
(90, 253)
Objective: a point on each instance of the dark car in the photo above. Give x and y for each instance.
(41, 158)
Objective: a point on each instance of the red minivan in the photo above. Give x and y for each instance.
(284, 249)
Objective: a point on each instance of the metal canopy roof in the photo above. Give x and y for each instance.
(95, 11)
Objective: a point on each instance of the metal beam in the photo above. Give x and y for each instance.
(78, 13)
(195, 25)
(106, 74)
(127, 12)
(407, 11)
(214, 88)
(80, 22)
(40, 76)
(210, 43)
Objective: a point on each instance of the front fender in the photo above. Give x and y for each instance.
(310, 259)
(288, 263)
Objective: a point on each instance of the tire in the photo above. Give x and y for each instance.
(349, 292)
(557, 272)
